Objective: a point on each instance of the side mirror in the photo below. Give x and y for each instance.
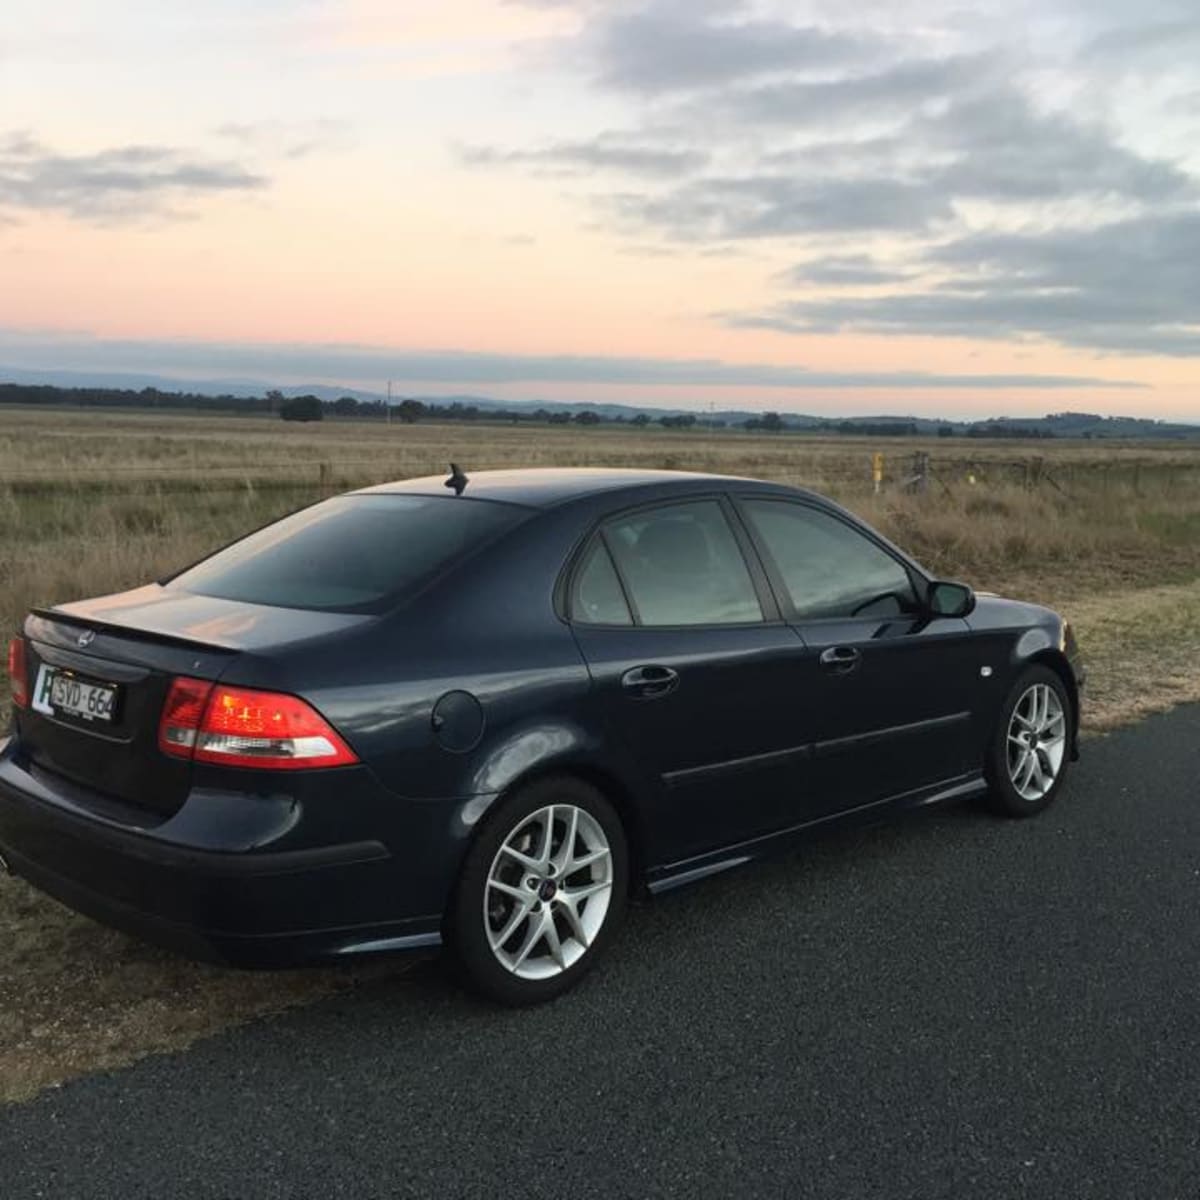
(946, 599)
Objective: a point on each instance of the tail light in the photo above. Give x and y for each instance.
(181, 716)
(18, 673)
(242, 727)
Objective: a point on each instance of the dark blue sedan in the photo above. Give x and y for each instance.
(486, 711)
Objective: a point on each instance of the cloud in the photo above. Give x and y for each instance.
(345, 364)
(899, 129)
(1128, 286)
(665, 48)
(964, 133)
(606, 152)
(1002, 148)
(890, 93)
(991, 146)
(290, 139)
(774, 205)
(1131, 41)
(121, 183)
(846, 270)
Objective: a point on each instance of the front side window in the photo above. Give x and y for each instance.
(681, 565)
(354, 553)
(829, 568)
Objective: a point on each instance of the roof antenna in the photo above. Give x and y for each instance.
(457, 479)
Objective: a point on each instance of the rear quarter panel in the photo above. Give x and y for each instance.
(488, 631)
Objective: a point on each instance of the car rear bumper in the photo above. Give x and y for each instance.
(246, 907)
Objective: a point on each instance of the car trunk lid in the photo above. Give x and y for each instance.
(130, 647)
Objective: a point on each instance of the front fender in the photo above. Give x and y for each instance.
(1032, 643)
(1056, 650)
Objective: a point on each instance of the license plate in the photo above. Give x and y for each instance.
(61, 693)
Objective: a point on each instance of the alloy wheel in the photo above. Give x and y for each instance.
(548, 891)
(1037, 741)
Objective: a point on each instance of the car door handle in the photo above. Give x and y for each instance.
(840, 660)
(649, 682)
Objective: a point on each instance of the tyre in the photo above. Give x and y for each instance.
(542, 892)
(1031, 748)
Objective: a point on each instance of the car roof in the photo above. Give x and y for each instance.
(543, 487)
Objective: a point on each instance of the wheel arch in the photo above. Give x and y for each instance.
(618, 792)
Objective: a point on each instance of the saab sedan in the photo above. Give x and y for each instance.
(485, 712)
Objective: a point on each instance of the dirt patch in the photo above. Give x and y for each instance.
(76, 997)
(1142, 649)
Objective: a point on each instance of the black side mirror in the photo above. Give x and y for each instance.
(946, 599)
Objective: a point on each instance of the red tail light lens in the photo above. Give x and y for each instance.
(181, 716)
(242, 727)
(18, 673)
(245, 728)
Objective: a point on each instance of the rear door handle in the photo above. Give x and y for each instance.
(840, 660)
(649, 682)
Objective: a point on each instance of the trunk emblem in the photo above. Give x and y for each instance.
(86, 638)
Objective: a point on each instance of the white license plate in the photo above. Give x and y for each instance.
(60, 693)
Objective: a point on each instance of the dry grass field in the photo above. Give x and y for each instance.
(94, 501)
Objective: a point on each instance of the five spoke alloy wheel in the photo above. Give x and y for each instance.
(542, 890)
(548, 891)
(1032, 745)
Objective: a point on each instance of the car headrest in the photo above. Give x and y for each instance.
(675, 545)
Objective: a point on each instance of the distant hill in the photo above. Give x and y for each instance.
(1088, 425)
(23, 386)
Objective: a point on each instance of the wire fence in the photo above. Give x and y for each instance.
(914, 472)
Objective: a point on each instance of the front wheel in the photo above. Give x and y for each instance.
(542, 892)
(1030, 751)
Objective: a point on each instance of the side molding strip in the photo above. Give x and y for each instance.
(735, 766)
(752, 762)
(873, 737)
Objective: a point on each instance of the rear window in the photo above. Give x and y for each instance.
(349, 554)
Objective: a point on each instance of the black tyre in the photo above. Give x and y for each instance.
(1031, 748)
(542, 892)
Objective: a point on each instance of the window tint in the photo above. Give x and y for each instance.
(352, 553)
(829, 568)
(682, 566)
(598, 599)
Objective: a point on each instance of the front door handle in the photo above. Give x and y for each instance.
(840, 660)
(650, 682)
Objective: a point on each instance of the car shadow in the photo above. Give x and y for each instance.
(686, 928)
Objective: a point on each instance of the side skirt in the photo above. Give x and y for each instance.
(691, 870)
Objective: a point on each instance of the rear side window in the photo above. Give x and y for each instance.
(681, 565)
(829, 568)
(349, 554)
(597, 598)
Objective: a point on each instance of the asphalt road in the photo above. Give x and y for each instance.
(949, 1005)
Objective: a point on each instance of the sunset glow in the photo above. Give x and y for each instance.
(881, 195)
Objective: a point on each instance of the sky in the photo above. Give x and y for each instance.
(887, 206)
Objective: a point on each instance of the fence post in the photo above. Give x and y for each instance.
(920, 471)
(877, 470)
(323, 478)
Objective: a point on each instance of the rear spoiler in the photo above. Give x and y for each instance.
(57, 617)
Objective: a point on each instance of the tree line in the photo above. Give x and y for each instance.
(407, 411)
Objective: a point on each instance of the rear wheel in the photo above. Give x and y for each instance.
(1030, 751)
(542, 892)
